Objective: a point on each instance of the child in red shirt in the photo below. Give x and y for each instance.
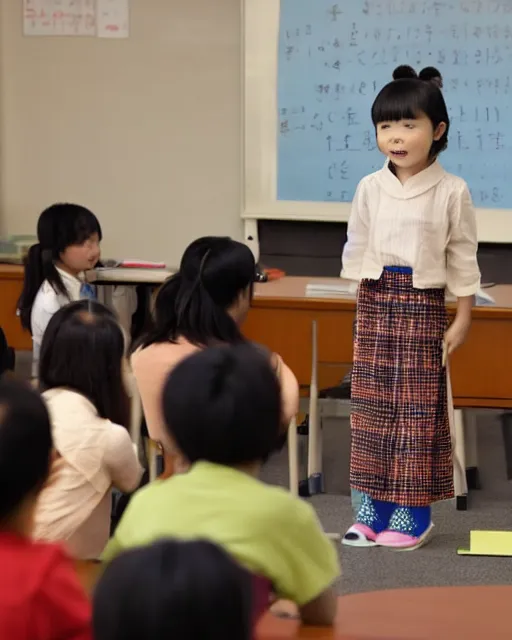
(40, 597)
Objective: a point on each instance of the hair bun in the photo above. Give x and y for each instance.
(431, 74)
(404, 71)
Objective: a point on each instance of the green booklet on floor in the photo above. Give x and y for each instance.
(488, 543)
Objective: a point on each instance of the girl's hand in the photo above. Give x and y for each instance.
(456, 334)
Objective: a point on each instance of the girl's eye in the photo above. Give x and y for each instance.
(409, 126)
(384, 126)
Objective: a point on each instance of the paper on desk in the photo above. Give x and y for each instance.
(113, 18)
(330, 289)
(342, 288)
(482, 299)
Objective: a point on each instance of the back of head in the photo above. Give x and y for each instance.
(25, 445)
(173, 590)
(410, 95)
(194, 303)
(82, 350)
(223, 405)
(59, 226)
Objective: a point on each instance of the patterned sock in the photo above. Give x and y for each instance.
(375, 513)
(413, 521)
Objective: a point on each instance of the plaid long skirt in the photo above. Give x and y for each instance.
(401, 442)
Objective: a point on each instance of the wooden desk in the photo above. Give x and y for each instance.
(11, 284)
(281, 318)
(408, 614)
(435, 613)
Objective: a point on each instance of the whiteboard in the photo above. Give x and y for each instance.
(311, 71)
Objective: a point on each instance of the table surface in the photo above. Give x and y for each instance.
(287, 288)
(294, 288)
(401, 614)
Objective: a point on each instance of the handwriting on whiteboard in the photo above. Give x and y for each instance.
(113, 18)
(334, 57)
(59, 17)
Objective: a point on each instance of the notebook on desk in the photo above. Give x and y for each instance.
(132, 264)
(330, 289)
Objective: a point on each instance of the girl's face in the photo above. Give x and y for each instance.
(80, 257)
(407, 143)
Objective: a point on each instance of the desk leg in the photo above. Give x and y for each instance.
(106, 295)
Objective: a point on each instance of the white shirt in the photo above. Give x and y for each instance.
(46, 303)
(94, 455)
(427, 224)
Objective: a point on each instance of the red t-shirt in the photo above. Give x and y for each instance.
(40, 596)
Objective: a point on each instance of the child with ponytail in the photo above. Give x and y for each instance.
(69, 238)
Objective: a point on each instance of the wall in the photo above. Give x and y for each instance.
(145, 131)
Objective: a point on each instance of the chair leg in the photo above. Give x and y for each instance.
(315, 476)
(293, 457)
(461, 490)
(471, 449)
(152, 460)
(506, 430)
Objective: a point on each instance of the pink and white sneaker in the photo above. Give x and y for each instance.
(403, 541)
(359, 535)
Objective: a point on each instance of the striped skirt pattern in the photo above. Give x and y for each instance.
(401, 443)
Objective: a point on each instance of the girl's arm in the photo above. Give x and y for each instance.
(462, 271)
(122, 461)
(357, 236)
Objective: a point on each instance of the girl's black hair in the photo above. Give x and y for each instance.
(223, 405)
(82, 349)
(410, 95)
(173, 590)
(193, 303)
(59, 226)
(25, 445)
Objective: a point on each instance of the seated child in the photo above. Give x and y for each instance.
(81, 376)
(40, 597)
(171, 589)
(222, 408)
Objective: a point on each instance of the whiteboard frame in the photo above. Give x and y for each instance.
(260, 30)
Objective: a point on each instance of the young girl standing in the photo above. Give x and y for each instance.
(69, 243)
(411, 234)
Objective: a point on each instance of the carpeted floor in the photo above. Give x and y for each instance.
(437, 563)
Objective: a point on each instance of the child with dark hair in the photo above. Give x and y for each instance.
(81, 376)
(69, 238)
(204, 304)
(411, 234)
(223, 411)
(171, 589)
(69, 243)
(40, 597)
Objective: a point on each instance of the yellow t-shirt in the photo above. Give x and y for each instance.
(269, 531)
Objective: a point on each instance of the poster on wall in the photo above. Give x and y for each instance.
(101, 18)
(112, 18)
(59, 17)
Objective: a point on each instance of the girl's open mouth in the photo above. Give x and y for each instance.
(399, 154)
